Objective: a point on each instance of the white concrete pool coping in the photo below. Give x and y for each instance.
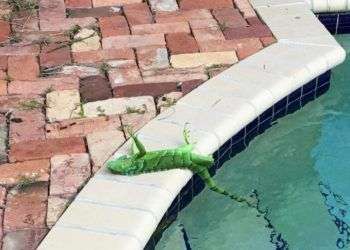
(120, 212)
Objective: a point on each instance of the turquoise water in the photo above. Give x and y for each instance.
(301, 169)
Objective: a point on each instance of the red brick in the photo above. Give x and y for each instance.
(52, 9)
(247, 47)
(124, 76)
(11, 173)
(3, 62)
(204, 4)
(245, 7)
(26, 126)
(81, 127)
(133, 41)
(3, 87)
(94, 56)
(213, 33)
(27, 239)
(23, 67)
(68, 174)
(72, 4)
(2, 75)
(255, 31)
(181, 43)
(254, 21)
(136, 121)
(161, 28)
(98, 3)
(152, 89)
(138, 13)
(53, 55)
(204, 23)
(26, 209)
(104, 11)
(19, 49)
(95, 88)
(114, 26)
(17, 101)
(4, 30)
(152, 57)
(182, 16)
(64, 24)
(229, 18)
(41, 149)
(216, 45)
(42, 85)
(188, 86)
(268, 40)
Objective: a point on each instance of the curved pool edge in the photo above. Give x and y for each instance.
(127, 210)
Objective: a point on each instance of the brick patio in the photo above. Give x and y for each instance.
(75, 73)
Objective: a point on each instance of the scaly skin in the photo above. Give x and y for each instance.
(183, 157)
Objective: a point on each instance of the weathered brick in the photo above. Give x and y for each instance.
(64, 24)
(4, 30)
(1, 230)
(114, 26)
(204, 23)
(98, 3)
(3, 193)
(87, 39)
(45, 148)
(68, 174)
(205, 4)
(117, 106)
(104, 11)
(150, 58)
(163, 5)
(103, 55)
(268, 40)
(80, 71)
(152, 89)
(254, 31)
(3, 62)
(51, 9)
(254, 20)
(136, 121)
(247, 47)
(52, 55)
(27, 239)
(174, 75)
(19, 49)
(123, 76)
(207, 59)
(62, 105)
(25, 21)
(82, 127)
(95, 88)
(213, 33)
(26, 126)
(12, 174)
(217, 45)
(102, 145)
(26, 209)
(43, 85)
(229, 18)
(133, 41)
(182, 16)
(23, 67)
(3, 87)
(72, 4)
(181, 43)
(245, 7)
(138, 13)
(188, 86)
(11, 102)
(161, 28)
(55, 208)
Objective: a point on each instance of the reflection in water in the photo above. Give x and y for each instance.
(301, 169)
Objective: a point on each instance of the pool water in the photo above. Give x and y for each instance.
(301, 169)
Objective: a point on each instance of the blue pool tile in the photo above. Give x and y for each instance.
(323, 89)
(294, 96)
(268, 114)
(294, 106)
(280, 105)
(324, 78)
(309, 87)
(238, 137)
(237, 148)
(308, 97)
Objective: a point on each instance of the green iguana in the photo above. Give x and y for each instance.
(183, 157)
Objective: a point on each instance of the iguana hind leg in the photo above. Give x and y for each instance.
(137, 146)
(205, 175)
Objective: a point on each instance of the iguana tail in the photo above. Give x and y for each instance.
(208, 180)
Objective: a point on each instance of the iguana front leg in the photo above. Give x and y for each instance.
(137, 147)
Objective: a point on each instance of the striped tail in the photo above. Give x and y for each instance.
(204, 174)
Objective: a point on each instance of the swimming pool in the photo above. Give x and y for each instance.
(300, 167)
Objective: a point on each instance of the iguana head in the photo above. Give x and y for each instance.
(122, 165)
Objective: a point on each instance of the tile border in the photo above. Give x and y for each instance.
(286, 76)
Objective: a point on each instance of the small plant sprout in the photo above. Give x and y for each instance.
(43, 41)
(81, 112)
(100, 111)
(14, 38)
(223, 25)
(136, 110)
(26, 181)
(30, 105)
(168, 102)
(73, 31)
(104, 68)
(23, 5)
